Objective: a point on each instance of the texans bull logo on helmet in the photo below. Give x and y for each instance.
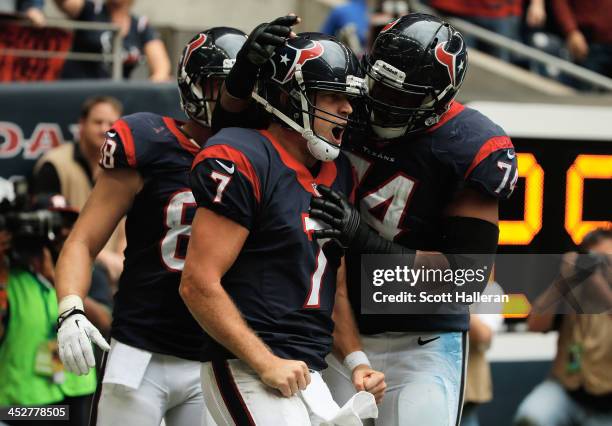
(453, 57)
(284, 63)
(390, 25)
(193, 46)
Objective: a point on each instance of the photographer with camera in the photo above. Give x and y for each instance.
(31, 373)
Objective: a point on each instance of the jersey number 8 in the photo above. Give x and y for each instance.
(178, 229)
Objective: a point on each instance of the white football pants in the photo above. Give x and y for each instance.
(424, 372)
(140, 388)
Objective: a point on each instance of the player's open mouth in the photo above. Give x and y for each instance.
(337, 133)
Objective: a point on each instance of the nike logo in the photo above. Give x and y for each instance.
(422, 342)
(111, 134)
(230, 170)
(77, 323)
(511, 156)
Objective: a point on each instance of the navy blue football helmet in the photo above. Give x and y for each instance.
(205, 62)
(290, 80)
(414, 71)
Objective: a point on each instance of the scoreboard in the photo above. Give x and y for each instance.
(563, 192)
(564, 189)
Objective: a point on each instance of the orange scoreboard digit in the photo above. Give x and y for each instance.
(563, 192)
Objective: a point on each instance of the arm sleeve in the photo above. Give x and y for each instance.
(24, 5)
(146, 31)
(253, 117)
(46, 181)
(564, 16)
(223, 180)
(494, 170)
(119, 149)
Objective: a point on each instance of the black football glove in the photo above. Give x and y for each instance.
(258, 48)
(335, 211)
(346, 226)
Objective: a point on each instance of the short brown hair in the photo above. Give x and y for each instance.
(101, 99)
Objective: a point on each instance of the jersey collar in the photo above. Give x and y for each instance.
(188, 144)
(326, 175)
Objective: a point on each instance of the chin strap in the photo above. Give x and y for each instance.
(275, 111)
(306, 133)
(299, 77)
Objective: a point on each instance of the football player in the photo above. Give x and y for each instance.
(254, 278)
(152, 371)
(430, 174)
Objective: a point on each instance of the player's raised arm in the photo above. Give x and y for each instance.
(240, 83)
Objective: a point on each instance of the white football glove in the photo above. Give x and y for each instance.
(75, 335)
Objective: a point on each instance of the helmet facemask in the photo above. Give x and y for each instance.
(397, 108)
(200, 94)
(300, 105)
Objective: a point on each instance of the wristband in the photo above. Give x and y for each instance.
(354, 359)
(67, 315)
(69, 302)
(68, 306)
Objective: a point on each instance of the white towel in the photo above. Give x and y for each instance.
(325, 411)
(126, 365)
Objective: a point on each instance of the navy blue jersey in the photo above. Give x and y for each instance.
(282, 281)
(149, 312)
(405, 185)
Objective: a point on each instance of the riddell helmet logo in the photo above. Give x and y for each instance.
(193, 46)
(284, 65)
(456, 71)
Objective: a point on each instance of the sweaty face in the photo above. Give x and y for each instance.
(93, 128)
(333, 111)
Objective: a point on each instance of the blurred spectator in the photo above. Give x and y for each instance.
(385, 12)
(483, 326)
(349, 23)
(32, 10)
(535, 15)
(30, 370)
(588, 35)
(71, 170)
(579, 390)
(139, 39)
(22, 27)
(500, 16)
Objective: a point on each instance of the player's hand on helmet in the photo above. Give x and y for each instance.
(367, 379)
(75, 335)
(257, 49)
(285, 375)
(266, 37)
(334, 210)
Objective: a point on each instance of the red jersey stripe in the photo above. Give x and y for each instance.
(229, 153)
(494, 144)
(125, 134)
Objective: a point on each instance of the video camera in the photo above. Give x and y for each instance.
(32, 223)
